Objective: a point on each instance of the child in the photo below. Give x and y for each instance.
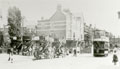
(115, 58)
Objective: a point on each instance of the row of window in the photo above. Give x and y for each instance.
(52, 27)
(53, 23)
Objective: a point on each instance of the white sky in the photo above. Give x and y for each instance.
(102, 13)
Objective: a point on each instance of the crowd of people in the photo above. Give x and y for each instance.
(40, 50)
(49, 50)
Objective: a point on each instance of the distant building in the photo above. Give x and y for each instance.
(62, 25)
(115, 42)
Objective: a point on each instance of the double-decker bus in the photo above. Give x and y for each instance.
(101, 47)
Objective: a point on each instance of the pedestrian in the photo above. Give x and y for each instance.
(30, 51)
(10, 52)
(115, 58)
(75, 52)
(25, 50)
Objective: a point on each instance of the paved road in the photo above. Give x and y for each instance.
(83, 61)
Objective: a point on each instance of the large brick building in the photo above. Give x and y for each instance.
(63, 25)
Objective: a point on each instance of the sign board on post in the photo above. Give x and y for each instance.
(36, 38)
(14, 38)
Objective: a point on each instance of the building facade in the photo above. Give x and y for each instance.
(62, 25)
